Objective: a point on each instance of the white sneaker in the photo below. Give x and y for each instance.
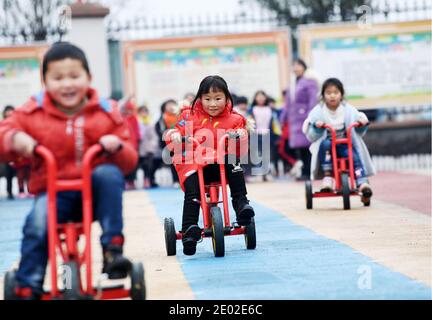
(296, 169)
(328, 184)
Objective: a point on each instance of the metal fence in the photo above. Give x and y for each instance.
(145, 27)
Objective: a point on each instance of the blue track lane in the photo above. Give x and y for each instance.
(12, 216)
(290, 262)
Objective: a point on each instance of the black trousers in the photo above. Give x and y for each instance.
(10, 173)
(304, 155)
(191, 205)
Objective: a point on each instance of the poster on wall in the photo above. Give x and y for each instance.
(19, 74)
(388, 65)
(157, 70)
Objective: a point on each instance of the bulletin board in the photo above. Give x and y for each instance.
(20, 74)
(386, 65)
(156, 70)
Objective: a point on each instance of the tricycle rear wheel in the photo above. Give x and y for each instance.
(217, 232)
(170, 237)
(346, 191)
(308, 185)
(250, 235)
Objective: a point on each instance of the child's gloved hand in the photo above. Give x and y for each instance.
(363, 120)
(23, 144)
(241, 133)
(176, 137)
(111, 143)
(319, 124)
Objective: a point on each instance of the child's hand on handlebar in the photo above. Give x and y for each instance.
(23, 144)
(362, 119)
(176, 137)
(363, 122)
(319, 124)
(241, 133)
(111, 143)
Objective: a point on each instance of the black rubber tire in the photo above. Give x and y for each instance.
(250, 235)
(346, 191)
(71, 281)
(218, 239)
(170, 237)
(138, 289)
(9, 285)
(308, 186)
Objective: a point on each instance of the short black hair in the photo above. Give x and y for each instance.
(164, 104)
(301, 62)
(332, 82)
(64, 50)
(242, 99)
(271, 100)
(6, 109)
(215, 83)
(143, 108)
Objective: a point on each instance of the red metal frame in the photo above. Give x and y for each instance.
(213, 190)
(69, 233)
(339, 163)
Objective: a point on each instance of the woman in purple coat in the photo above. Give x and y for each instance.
(300, 98)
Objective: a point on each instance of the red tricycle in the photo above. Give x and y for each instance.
(343, 171)
(215, 226)
(63, 238)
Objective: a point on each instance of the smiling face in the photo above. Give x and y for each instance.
(214, 102)
(67, 83)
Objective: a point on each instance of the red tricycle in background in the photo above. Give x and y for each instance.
(216, 226)
(343, 171)
(63, 238)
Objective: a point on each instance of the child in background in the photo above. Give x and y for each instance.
(10, 171)
(128, 109)
(242, 108)
(68, 118)
(20, 168)
(267, 123)
(168, 119)
(335, 111)
(211, 111)
(147, 147)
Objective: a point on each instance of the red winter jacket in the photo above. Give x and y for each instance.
(67, 137)
(193, 119)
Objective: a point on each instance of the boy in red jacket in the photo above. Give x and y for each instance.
(68, 118)
(210, 115)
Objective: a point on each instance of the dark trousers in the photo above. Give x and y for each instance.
(10, 173)
(305, 156)
(147, 165)
(191, 204)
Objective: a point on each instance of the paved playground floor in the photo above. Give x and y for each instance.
(377, 252)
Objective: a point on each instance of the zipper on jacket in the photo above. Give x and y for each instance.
(69, 127)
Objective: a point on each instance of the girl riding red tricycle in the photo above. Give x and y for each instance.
(210, 122)
(335, 129)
